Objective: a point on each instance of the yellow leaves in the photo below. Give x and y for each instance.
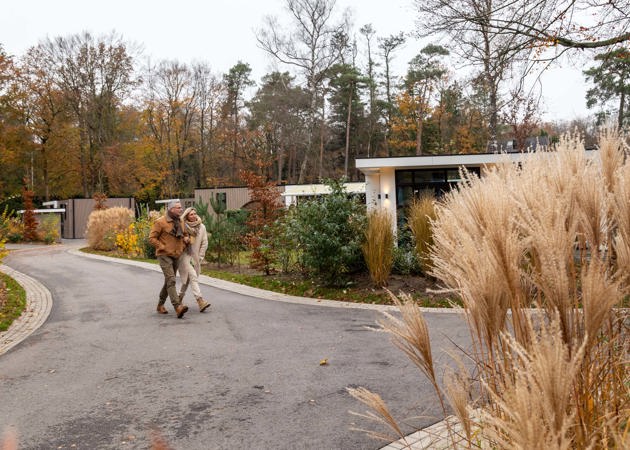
(127, 241)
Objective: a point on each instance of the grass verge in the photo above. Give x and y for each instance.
(12, 301)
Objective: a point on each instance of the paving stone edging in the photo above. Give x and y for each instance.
(261, 293)
(38, 306)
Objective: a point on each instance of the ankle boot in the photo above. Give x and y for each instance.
(181, 310)
(161, 309)
(203, 305)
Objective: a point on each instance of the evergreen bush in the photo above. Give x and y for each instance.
(330, 232)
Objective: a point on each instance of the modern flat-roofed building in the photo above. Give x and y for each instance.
(391, 183)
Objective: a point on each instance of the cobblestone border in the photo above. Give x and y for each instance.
(38, 306)
(443, 435)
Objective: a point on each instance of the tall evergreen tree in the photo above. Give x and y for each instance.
(611, 79)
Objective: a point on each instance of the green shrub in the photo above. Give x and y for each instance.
(104, 224)
(286, 242)
(225, 231)
(15, 230)
(330, 231)
(143, 229)
(405, 261)
(48, 230)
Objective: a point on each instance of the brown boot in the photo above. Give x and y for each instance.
(203, 305)
(161, 309)
(181, 310)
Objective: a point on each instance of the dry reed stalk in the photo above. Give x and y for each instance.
(378, 248)
(457, 392)
(533, 400)
(411, 335)
(379, 413)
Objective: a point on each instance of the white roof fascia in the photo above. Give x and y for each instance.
(413, 162)
(299, 190)
(47, 210)
(436, 161)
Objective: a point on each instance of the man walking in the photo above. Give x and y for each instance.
(169, 239)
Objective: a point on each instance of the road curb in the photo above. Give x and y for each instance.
(261, 293)
(38, 307)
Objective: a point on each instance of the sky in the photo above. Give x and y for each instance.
(222, 32)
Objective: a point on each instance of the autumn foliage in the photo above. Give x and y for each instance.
(29, 219)
(265, 209)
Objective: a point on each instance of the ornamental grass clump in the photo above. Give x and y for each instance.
(378, 247)
(539, 253)
(420, 213)
(104, 224)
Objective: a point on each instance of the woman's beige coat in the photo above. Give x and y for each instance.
(190, 264)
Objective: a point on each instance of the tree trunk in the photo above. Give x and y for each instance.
(348, 130)
(419, 134)
(622, 102)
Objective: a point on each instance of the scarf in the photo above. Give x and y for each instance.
(192, 228)
(177, 226)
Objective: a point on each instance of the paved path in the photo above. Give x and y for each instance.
(104, 369)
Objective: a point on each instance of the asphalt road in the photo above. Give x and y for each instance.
(105, 369)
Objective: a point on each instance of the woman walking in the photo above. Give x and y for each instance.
(190, 261)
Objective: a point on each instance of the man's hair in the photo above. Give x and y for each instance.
(172, 203)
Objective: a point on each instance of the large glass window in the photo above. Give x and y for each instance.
(412, 183)
(221, 198)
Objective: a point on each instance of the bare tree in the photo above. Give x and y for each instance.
(523, 117)
(312, 46)
(46, 115)
(170, 114)
(210, 95)
(494, 33)
(575, 24)
(368, 32)
(469, 26)
(94, 74)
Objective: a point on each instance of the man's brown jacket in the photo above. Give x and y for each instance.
(163, 238)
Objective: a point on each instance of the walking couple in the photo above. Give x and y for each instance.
(180, 242)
